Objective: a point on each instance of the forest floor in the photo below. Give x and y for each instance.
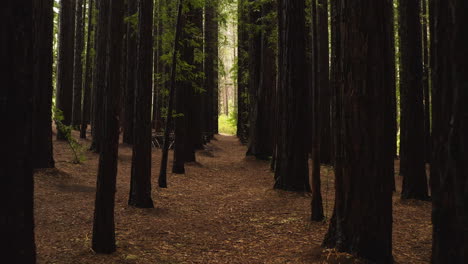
(223, 210)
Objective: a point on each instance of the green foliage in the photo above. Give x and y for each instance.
(75, 146)
(228, 124)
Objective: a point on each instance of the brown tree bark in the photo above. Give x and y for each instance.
(99, 75)
(104, 227)
(78, 65)
(291, 165)
(211, 47)
(412, 164)
(64, 96)
(86, 109)
(42, 149)
(449, 177)
(242, 72)
(140, 183)
(362, 218)
(129, 92)
(18, 20)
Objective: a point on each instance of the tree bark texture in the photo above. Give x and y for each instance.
(242, 72)
(78, 65)
(362, 218)
(18, 20)
(291, 168)
(449, 177)
(64, 96)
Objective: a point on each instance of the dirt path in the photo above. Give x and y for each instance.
(223, 210)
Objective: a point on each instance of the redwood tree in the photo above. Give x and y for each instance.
(78, 64)
(17, 63)
(64, 96)
(412, 160)
(140, 184)
(362, 217)
(42, 148)
(104, 227)
(449, 164)
(291, 161)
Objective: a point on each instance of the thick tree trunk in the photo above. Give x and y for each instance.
(140, 185)
(64, 96)
(449, 177)
(211, 46)
(362, 218)
(104, 227)
(78, 65)
(42, 149)
(129, 92)
(291, 168)
(18, 20)
(86, 109)
(412, 162)
(99, 78)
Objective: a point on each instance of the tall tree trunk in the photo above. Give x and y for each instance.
(104, 227)
(99, 78)
(18, 20)
(140, 185)
(412, 108)
(425, 80)
(449, 177)
(86, 109)
(211, 45)
(129, 93)
(64, 96)
(292, 171)
(261, 85)
(323, 79)
(42, 149)
(78, 65)
(362, 218)
(242, 72)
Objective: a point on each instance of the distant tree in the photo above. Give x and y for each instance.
(291, 165)
(425, 79)
(449, 164)
(129, 91)
(86, 109)
(42, 149)
(64, 96)
(140, 183)
(412, 164)
(18, 20)
(78, 64)
(104, 227)
(362, 219)
(99, 75)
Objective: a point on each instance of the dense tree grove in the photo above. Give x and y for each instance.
(362, 88)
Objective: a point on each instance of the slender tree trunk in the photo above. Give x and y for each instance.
(292, 171)
(18, 20)
(64, 96)
(412, 108)
(140, 185)
(86, 109)
(242, 72)
(104, 227)
(42, 149)
(129, 93)
(210, 47)
(78, 65)
(425, 80)
(449, 178)
(362, 218)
